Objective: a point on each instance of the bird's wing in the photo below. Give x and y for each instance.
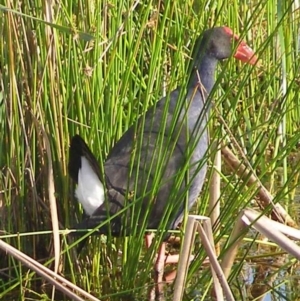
(141, 169)
(145, 172)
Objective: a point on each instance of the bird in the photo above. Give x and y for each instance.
(161, 158)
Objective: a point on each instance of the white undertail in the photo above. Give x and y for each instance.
(89, 191)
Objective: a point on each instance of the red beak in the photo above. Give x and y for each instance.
(245, 54)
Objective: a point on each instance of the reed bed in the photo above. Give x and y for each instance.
(93, 67)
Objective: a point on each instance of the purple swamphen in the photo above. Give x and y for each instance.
(159, 160)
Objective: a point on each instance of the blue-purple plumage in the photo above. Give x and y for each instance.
(163, 158)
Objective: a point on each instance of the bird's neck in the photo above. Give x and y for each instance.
(203, 74)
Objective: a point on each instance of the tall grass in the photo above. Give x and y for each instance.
(94, 67)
